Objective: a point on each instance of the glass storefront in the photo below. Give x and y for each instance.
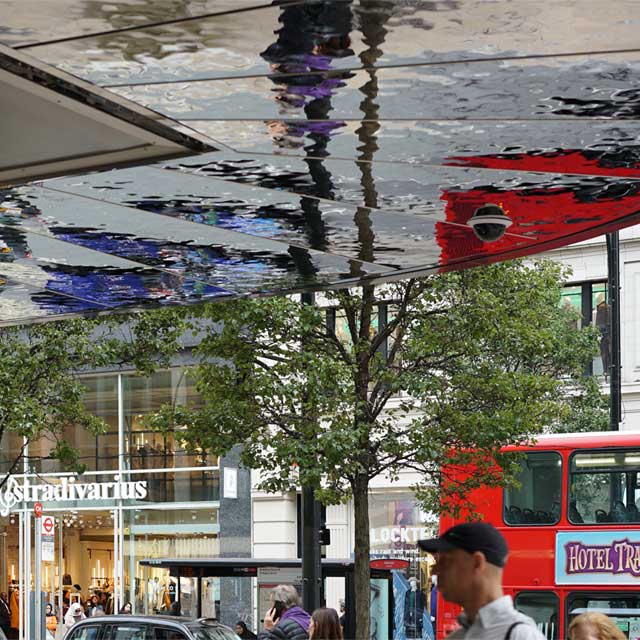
(142, 496)
(396, 524)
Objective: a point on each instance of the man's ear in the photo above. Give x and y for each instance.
(479, 561)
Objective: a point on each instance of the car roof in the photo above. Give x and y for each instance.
(171, 620)
(175, 621)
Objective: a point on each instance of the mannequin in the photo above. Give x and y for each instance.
(414, 603)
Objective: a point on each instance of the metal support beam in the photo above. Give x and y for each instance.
(613, 264)
(311, 561)
(311, 523)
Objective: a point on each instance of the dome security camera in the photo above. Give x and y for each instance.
(489, 222)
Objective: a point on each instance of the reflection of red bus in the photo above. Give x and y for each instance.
(573, 529)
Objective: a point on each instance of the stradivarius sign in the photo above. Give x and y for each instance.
(68, 490)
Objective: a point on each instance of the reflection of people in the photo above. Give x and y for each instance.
(325, 625)
(243, 632)
(286, 620)
(470, 558)
(594, 626)
(603, 323)
(414, 603)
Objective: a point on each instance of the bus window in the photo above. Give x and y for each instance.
(603, 487)
(537, 499)
(542, 606)
(622, 608)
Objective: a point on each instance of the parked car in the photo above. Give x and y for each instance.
(127, 627)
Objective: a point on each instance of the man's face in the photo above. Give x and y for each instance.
(454, 569)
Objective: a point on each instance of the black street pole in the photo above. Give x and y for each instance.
(311, 524)
(613, 285)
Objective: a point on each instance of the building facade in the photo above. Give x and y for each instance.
(143, 495)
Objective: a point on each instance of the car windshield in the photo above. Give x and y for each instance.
(212, 633)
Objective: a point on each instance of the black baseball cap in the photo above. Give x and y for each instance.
(471, 537)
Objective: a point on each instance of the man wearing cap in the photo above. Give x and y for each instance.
(470, 558)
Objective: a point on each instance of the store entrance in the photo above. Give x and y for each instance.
(89, 558)
(81, 563)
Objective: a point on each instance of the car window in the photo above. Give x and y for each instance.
(128, 631)
(168, 634)
(213, 633)
(85, 633)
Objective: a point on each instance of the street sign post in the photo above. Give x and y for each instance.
(47, 527)
(37, 600)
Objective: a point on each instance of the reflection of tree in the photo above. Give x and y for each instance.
(310, 38)
(373, 15)
(155, 44)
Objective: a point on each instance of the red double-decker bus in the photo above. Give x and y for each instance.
(573, 529)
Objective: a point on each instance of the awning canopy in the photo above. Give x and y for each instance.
(354, 142)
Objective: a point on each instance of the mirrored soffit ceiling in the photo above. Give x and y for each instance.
(309, 145)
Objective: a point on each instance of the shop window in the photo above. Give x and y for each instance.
(622, 607)
(147, 449)
(85, 633)
(127, 631)
(604, 487)
(536, 499)
(543, 607)
(591, 301)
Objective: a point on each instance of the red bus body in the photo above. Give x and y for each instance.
(531, 568)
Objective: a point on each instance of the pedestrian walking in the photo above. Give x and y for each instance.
(470, 559)
(286, 620)
(325, 625)
(594, 626)
(74, 614)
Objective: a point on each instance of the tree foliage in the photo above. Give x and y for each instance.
(41, 367)
(466, 362)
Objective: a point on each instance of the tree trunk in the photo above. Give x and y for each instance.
(362, 546)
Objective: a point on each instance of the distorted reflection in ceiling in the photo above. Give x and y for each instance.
(355, 141)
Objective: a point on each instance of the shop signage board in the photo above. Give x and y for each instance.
(47, 529)
(230, 483)
(69, 490)
(271, 577)
(279, 575)
(596, 557)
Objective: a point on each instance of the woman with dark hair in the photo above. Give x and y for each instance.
(325, 625)
(126, 608)
(243, 632)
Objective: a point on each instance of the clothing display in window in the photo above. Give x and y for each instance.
(414, 604)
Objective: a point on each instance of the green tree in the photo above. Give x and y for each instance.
(466, 362)
(41, 390)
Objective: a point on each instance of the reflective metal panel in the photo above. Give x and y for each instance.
(355, 141)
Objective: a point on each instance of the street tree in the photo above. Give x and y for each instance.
(449, 369)
(41, 368)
